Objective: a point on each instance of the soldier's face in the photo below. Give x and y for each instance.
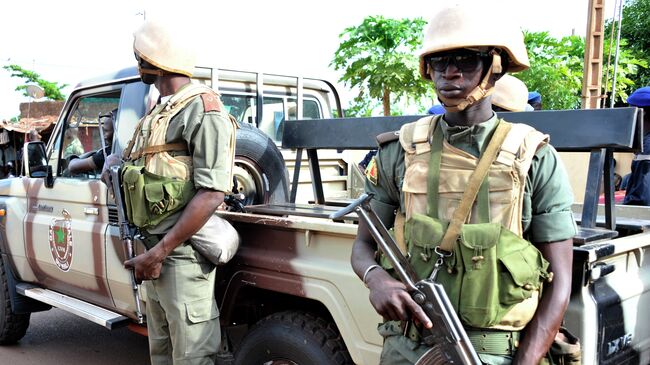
(456, 73)
(146, 77)
(107, 126)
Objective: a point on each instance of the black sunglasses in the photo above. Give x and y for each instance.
(464, 61)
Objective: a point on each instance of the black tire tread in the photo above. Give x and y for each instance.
(12, 326)
(324, 333)
(252, 143)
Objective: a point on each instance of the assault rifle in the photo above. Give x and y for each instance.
(447, 338)
(126, 233)
(126, 230)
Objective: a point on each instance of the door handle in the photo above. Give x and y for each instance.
(600, 269)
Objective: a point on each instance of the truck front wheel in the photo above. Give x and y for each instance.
(292, 338)
(12, 326)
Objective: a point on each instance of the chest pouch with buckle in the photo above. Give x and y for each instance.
(151, 198)
(485, 268)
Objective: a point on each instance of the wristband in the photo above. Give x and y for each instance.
(365, 274)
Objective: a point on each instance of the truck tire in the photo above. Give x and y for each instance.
(12, 326)
(292, 338)
(260, 172)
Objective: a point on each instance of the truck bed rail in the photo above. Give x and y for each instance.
(598, 131)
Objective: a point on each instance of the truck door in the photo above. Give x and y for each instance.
(66, 224)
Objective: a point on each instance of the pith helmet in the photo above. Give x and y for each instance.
(510, 93)
(164, 47)
(474, 26)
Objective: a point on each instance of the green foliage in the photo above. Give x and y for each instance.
(378, 57)
(52, 89)
(635, 26)
(630, 65)
(557, 67)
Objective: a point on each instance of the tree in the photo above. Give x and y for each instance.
(635, 26)
(629, 73)
(378, 57)
(52, 89)
(557, 68)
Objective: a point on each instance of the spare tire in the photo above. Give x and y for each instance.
(260, 173)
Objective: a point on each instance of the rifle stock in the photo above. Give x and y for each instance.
(126, 234)
(448, 340)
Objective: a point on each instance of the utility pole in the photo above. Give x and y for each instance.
(591, 82)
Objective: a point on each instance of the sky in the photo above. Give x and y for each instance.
(67, 41)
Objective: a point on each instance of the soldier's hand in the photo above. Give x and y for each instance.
(391, 300)
(146, 266)
(111, 160)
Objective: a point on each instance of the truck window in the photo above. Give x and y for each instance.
(276, 110)
(80, 136)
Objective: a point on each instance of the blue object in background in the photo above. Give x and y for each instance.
(640, 98)
(534, 97)
(436, 109)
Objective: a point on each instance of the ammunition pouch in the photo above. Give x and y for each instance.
(151, 198)
(490, 270)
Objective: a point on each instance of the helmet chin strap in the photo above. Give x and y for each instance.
(482, 90)
(151, 71)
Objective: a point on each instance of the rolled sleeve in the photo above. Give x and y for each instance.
(552, 227)
(551, 218)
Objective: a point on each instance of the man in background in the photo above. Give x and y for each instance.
(637, 190)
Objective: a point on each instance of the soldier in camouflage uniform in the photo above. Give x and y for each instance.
(527, 195)
(186, 145)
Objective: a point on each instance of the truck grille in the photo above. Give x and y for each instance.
(112, 214)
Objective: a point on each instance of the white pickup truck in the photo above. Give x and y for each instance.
(289, 296)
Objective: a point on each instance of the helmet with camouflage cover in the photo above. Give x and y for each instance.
(474, 27)
(164, 48)
(510, 94)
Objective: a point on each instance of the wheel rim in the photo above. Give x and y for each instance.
(250, 181)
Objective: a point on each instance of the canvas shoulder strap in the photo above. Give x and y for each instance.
(414, 137)
(475, 180)
(171, 107)
(520, 147)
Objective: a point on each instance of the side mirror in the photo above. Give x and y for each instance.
(35, 162)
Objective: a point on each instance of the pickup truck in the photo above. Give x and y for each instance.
(289, 295)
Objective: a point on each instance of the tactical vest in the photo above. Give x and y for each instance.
(502, 208)
(156, 183)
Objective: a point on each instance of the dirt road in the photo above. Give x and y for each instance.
(56, 337)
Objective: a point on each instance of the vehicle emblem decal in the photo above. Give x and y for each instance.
(60, 237)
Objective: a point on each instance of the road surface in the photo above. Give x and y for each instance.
(56, 337)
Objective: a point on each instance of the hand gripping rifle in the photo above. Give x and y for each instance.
(126, 234)
(447, 338)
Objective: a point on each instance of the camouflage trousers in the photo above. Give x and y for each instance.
(401, 350)
(182, 314)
